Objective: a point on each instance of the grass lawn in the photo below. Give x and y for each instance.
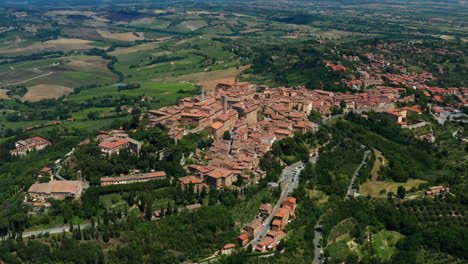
(380, 161)
(374, 187)
(111, 200)
(339, 250)
(341, 228)
(384, 244)
(318, 196)
(56, 222)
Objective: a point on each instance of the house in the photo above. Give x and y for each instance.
(289, 202)
(437, 190)
(232, 85)
(56, 189)
(22, 147)
(227, 249)
(191, 180)
(45, 172)
(276, 235)
(115, 144)
(267, 243)
(265, 209)
(280, 219)
(242, 239)
(219, 178)
(253, 227)
(400, 115)
(133, 178)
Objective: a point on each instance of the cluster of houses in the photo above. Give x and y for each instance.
(255, 119)
(374, 72)
(281, 218)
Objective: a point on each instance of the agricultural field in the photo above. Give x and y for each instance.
(177, 61)
(382, 188)
(52, 78)
(162, 94)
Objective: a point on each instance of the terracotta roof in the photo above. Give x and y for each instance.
(283, 132)
(113, 143)
(228, 246)
(266, 241)
(189, 180)
(72, 187)
(254, 224)
(290, 199)
(282, 212)
(219, 173)
(276, 222)
(243, 237)
(217, 125)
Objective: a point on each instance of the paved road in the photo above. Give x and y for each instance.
(317, 250)
(351, 191)
(288, 180)
(55, 230)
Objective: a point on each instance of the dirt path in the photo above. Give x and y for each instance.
(33, 78)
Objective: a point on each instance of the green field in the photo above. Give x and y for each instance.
(83, 114)
(384, 244)
(73, 71)
(174, 59)
(164, 93)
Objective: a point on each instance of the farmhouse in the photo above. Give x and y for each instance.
(26, 145)
(56, 189)
(118, 142)
(437, 190)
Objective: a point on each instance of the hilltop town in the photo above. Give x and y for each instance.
(316, 132)
(244, 121)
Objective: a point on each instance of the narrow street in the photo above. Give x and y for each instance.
(289, 182)
(351, 190)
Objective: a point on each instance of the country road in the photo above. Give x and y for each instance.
(351, 191)
(53, 230)
(33, 78)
